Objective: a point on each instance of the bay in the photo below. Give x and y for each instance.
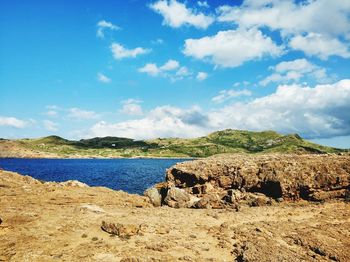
(130, 175)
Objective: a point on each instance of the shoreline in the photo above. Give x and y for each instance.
(101, 158)
(76, 218)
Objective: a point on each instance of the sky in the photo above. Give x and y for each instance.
(173, 68)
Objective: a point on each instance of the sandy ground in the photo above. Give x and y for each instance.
(62, 222)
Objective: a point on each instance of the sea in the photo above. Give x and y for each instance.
(131, 175)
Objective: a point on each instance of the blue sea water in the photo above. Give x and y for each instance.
(130, 175)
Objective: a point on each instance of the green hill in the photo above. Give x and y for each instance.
(226, 141)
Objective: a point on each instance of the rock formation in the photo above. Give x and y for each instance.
(64, 222)
(229, 180)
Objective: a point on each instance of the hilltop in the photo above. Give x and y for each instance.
(226, 141)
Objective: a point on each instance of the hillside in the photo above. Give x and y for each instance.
(226, 141)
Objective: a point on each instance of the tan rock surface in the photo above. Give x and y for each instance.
(62, 222)
(230, 179)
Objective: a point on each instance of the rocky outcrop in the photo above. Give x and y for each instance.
(64, 223)
(230, 179)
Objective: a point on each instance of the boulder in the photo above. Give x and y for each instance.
(178, 198)
(73, 183)
(91, 208)
(209, 201)
(154, 196)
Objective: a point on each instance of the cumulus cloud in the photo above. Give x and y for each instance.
(232, 48)
(295, 70)
(225, 95)
(314, 44)
(150, 69)
(277, 15)
(12, 122)
(119, 52)
(201, 76)
(132, 107)
(170, 65)
(164, 121)
(176, 14)
(309, 111)
(50, 125)
(103, 25)
(313, 33)
(103, 78)
(153, 70)
(81, 114)
(171, 69)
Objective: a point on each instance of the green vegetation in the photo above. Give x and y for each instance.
(226, 141)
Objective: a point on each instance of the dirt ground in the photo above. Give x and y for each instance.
(62, 222)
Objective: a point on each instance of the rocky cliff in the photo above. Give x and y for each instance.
(229, 180)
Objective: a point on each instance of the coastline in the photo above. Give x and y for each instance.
(82, 158)
(34, 215)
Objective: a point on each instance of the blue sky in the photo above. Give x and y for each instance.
(146, 69)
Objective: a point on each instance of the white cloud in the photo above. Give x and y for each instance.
(232, 48)
(295, 70)
(50, 125)
(150, 69)
(299, 65)
(52, 110)
(203, 4)
(318, 31)
(225, 95)
(176, 14)
(164, 121)
(132, 107)
(170, 69)
(51, 113)
(244, 83)
(318, 45)
(201, 76)
(119, 52)
(102, 25)
(12, 122)
(182, 72)
(320, 16)
(80, 114)
(309, 111)
(170, 65)
(103, 78)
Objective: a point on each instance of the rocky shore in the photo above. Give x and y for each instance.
(261, 208)
(229, 180)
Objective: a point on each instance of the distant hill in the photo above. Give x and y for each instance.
(226, 141)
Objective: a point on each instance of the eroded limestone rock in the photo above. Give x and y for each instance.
(230, 179)
(121, 230)
(154, 196)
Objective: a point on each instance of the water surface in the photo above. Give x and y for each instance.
(130, 175)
